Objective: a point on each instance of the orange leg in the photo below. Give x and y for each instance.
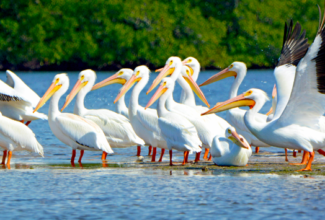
(139, 151)
(161, 154)
(257, 149)
(27, 123)
(294, 153)
(4, 157)
(308, 167)
(150, 150)
(81, 155)
(73, 156)
(210, 158)
(286, 153)
(153, 158)
(9, 158)
(22, 121)
(299, 151)
(320, 151)
(104, 155)
(170, 158)
(206, 153)
(186, 158)
(305, 158)
(197, 158)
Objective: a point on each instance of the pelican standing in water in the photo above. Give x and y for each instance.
(73, 130)
(233, 150)
(207, 127)
(121, 77)
(179, 133)
(15, 136)
(117, 128)
(144, 122)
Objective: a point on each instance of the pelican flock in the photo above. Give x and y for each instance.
(295, 120)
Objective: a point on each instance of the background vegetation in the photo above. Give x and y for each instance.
(108, 34)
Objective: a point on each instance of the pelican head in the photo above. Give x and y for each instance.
(60, 84)
(248, 98)
(84, 83)
(187, 75)
(239, 140)
(167, 70)
(235, 69)
(194, 66)
(121, 77)
(141, 72)
(167, 84)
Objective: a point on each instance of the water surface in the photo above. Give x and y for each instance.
(131, 193)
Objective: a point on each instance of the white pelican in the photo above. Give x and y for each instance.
(144, 122)
(236, 116)
(194, 67)
(117, 128)
(15, 136)
(73, 130)
(231, 151)
(17, 100)
(121, 77)
(179, 133)
(207, 127)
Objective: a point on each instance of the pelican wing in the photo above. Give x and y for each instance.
(149, 119)
(83, 131)
(9, 94)
(179, 130)
(307, 101)
(18, 85)
(20, 134)
(115, 126)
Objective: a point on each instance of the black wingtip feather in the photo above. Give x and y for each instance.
(294, 46)
(320, 58)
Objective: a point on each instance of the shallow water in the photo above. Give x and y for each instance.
(128, 193)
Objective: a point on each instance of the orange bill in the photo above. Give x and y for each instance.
(164, 72)
(77, 87)
(161, 90)
(219, 76)
(110, 80)
(127, 86)
(235, 102)
(194, 86)
(50, 91)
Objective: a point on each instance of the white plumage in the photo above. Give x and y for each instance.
(16, 136)
(232, 150)
(17, 100)
(116, 127)
(73, 130)
(179, 133)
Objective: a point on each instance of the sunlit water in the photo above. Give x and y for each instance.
(146, 193)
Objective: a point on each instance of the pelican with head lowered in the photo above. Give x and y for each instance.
(232, 150)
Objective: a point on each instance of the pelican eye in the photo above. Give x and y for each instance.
(229, 131)
(138, 72)
(248, 93)
(164, 84)
(170, 63)
(57, 81)
(231, 66)
(82, 77)
(120, 73)
(190, 60)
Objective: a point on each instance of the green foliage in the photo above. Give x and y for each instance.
(105, 33)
